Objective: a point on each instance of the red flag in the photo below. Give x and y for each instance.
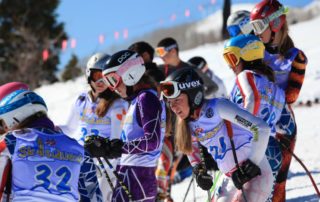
(45, 55)
(187, 13)
(200, 8)
(173, 17)
(101, 38)
(116, 35)
(73, 43)
(64, 44)
(125, 33)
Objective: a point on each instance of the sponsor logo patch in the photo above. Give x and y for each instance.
(243, 121)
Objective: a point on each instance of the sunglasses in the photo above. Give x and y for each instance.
(97, 76)
(260, 25)
(162, 51)
(231, 59)
(112, 80)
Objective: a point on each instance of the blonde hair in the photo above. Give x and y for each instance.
(183, 136)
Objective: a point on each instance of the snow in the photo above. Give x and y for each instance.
(60, 97)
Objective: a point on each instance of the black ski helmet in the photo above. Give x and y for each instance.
(198, 61)
(195, 93)
(127, 64)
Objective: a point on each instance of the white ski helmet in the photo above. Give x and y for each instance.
(17, 103)
(96, 62)
(239, 23)
(126, 64)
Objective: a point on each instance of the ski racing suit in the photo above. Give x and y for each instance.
(45, 163)
(143, 141)
(250, 136)
(289, 72)
(83, 121)
(264, 99)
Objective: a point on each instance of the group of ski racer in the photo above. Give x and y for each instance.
(143, 126)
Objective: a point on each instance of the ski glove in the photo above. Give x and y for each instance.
(204, 180)
(97, 146)
(247, 171)
(116, 149)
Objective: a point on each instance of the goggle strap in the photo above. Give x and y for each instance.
(278, 13)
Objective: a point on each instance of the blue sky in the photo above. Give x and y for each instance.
(85, 20)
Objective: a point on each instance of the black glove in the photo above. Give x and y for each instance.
(247, 171)
(116, 149)
(204, 180)
(97, 146)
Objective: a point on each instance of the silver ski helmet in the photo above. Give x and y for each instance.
(239, 23)
(96, 62)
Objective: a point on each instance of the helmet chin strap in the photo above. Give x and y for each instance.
(193, 110)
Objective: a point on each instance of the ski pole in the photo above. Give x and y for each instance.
(203, 162)
(106, 174)
(230, 134)
(124, 187)
(185, 195)
(194, 191)
(304, 167)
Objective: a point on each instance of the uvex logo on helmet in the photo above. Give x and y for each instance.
(191, 84)
(123, 57)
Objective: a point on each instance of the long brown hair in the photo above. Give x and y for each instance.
(183, 138)
(107, 98)
(285, 40)
(170, 120)
(29, 120)
(259, 67)
(146, 82)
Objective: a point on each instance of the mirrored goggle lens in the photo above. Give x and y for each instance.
(96, 76)
(231, 59)
(234, 30)
(167, 89)
(161, 51)
(259, 26)
(112, 80)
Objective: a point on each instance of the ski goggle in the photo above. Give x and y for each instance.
(260, 25)
(162, 51)
(112, 80)
(231, 59)
(169, 89)
(243, 27)
(96, 76)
